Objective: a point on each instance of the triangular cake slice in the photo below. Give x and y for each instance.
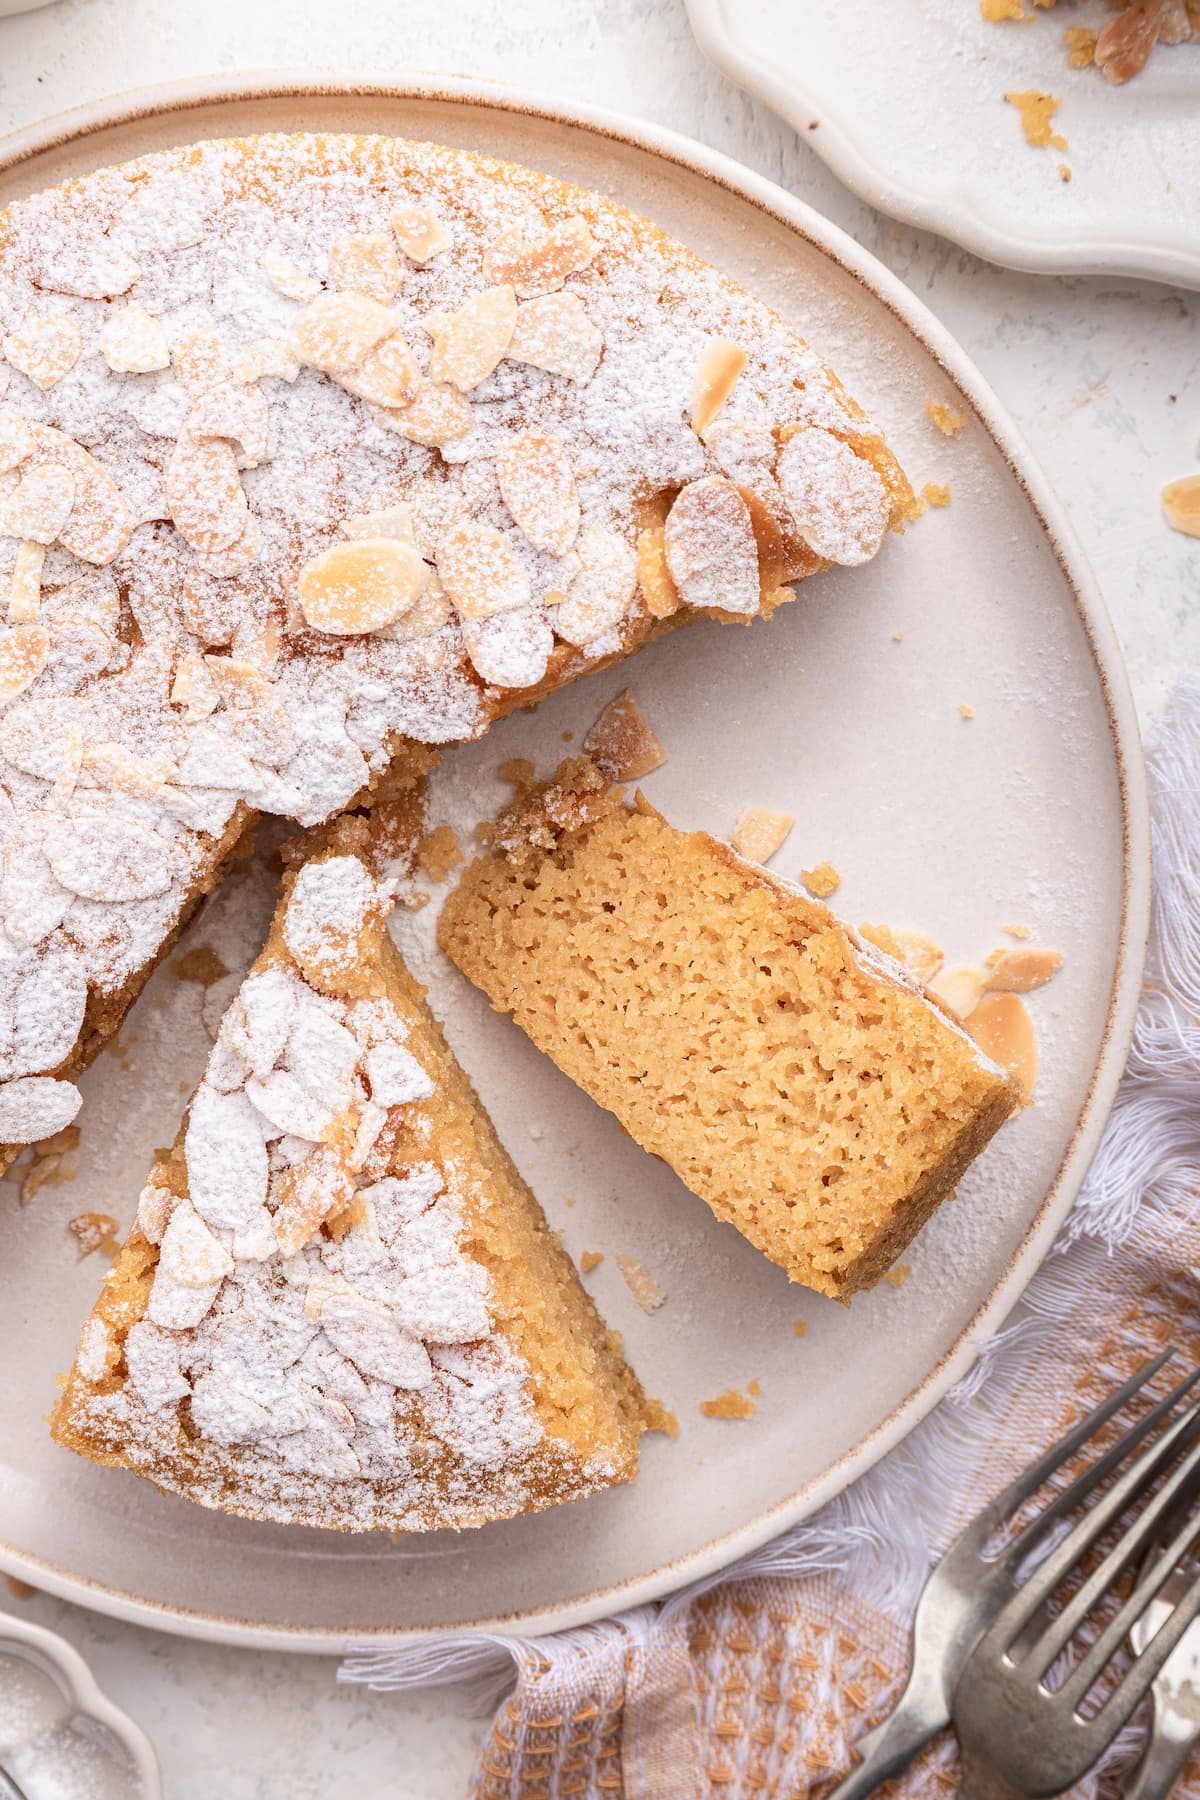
(340, 1305)
(313, 445)
(800, 1081)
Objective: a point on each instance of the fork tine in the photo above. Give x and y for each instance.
(1117, 1630)
(1091, 1527)
(1119, 1708)
(1026, 1484)
(1065, 1502)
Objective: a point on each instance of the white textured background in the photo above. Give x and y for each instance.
(1103, 376)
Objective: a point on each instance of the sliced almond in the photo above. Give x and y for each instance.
(337, 332)
(366, 262)
(194, 688)
(387, 522)
(555, 333)
(659, 592)
(438, 415)
(388, 375)
(920, 953)
(1020, 971)
(134, 343)
(538, 261)
(5, 380)
(25, 589)
(91, 267)
(710, 547)
(718, 370)
(538, 488)
(838, 500)
(1181, 505)
(419, 233)
(237, 413)
(199, 359)
(509, 649)
(961, 989)
(480, 570)
(235, 557)
(16, 439)
(266, 358)
(307, 1193)
(759, 833)
(1004, 1031)
(99, 524)
(468, 344)
(621, 743)
(288, 277)
(23, 653)
(204, 493)
(361, 586)
(44, 347)
(1123, 47)
(601, 591)
(40, 504)
(429, 614)
(69, 768)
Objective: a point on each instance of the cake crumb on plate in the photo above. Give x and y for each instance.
(947, 421)
(732, 1404)
(439, 852)
(591, 1259)
(821, 881)
(759, 833)
(641, 1283)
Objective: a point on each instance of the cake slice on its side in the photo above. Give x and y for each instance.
(340, 1305)
(799, 1081)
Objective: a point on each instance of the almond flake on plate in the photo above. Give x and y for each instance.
(1020, 971)
(366, 262)
(759, 833)
(419, 233)
(961, 989)
(362, 585)
(621, 743)
(1181, 505)
(719, 367)
(134, 343)
(1003, 1029)
(915, 949)
(44, 347)
(538, 488)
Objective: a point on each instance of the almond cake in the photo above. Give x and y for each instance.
(314, 445)
(340, 1305)
(800, 1081)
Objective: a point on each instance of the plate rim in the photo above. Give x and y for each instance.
(912, 313)
(1087, 253)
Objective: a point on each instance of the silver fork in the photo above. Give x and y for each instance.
(1175, 1727)
(967, 1589)
(1016, 1734)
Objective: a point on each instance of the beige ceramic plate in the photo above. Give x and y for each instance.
(1032, 811)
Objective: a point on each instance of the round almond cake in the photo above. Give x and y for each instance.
(311, 445)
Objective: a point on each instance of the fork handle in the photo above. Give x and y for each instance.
(1162, 1763)
(889, 1749)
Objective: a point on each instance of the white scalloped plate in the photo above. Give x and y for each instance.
(904, 99)
(1033, 810)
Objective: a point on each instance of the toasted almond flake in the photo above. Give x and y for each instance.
(961, 989)
(711, 550)
(16, 439)
(919, 952)
(1017, 931)
(659, 592)
(40, 504)
(99, 525)
(945, 418)
(936, 494)
(366, 262)
(1125, 43)
(730, 1404)
(205, 496)
(621, 743)
(24, 593)
(438, 415)
(481, 571)
(555, 333)
(839, 502)
(337, 332)
(1003, 1029)
(538, 262)
(108, 857)
(601, 590)
(388, 375)
(1036, 110)
(419, 233)
(361, 586)
(426, 615)
(288, 277)
(23, 653)
(720, 365)
(307, 1193)
(266, 358)
(641, 1283)
(1181, 505)
(388, 522)
(509, 649)
(538, 488)
(469, 344)
(5, 380)
(69, 769)
(238, 413)
(199, 359)
(134, 343)
(759, 833)
(44, 347)
(821, 881)
(1020, 971)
